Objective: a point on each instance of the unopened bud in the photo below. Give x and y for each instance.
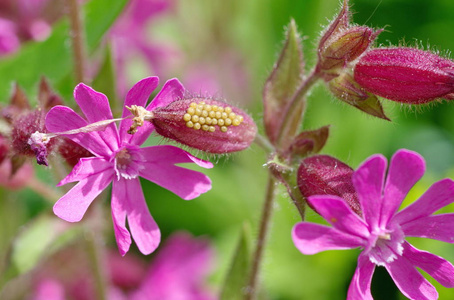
(326, 175)
(209, 125)
(344, 47)
(406, 75)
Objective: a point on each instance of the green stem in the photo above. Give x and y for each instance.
(77, 38)
(93, 234)
(263, 142)
(251, 291)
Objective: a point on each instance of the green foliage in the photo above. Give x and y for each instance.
(39, 239)
(53, 57)
(237, 276)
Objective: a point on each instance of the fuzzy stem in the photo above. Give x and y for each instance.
(263, 142)
(77, 38)
(94, 251)
(251, 291)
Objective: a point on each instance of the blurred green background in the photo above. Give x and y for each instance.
(253, 30)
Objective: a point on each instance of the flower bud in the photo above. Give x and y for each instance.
(406, 75)
(326, 175)
(344, 47)
(209, 125)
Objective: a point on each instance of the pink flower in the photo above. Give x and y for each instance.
(178, 271)
(406, 75)
(119, 159)
(382, 230)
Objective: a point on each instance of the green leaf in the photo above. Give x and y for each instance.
(282, 84)
(40, 238)
(237, 276)
(53, 57)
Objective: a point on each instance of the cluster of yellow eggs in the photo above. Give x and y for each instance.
(206, 117)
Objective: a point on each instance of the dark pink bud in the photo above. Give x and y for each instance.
(406, 75)
(326, 175)
(209, 125)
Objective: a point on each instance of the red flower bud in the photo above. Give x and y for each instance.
(209, 125)
(406, 75)
(326, 175)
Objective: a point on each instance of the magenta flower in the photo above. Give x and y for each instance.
(119, 159)
(179, 271)
(406, 75)
(381, 231)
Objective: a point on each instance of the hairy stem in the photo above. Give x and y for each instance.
(263, 142)
(93, 232)
(251, 291)
(77, 38)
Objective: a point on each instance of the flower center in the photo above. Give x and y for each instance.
(128, 162)
(385, 245)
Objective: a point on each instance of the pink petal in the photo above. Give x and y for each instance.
(438, 227)
(439, 268)
(311, 238)
(62, 118)
(360, 285)
(171, 91)
(87, 166)
(409, 281)
(167, 154)
(95, 107)
(143, 228)
(368, 182)
(119, 210)
(160, 169)
(439, 195)
(336, 211)
(73, 205)
(405, 169)
(137, 95)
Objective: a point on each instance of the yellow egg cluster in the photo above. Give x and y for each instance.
(206, 117)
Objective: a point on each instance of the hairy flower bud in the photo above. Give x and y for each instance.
(205, 124)
(326, 175)
(406, 75)
(344, 47)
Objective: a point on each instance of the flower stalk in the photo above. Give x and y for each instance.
(77, 40)
(267, 210)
